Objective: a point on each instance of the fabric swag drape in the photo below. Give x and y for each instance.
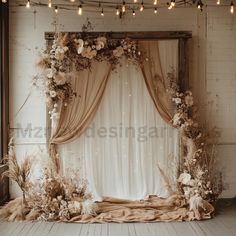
(89, 86)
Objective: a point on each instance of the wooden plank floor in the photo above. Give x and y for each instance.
(224, 224)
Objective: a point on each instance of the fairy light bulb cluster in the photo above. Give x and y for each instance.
(122, 8)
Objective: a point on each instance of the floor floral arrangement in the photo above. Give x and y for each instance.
(51, 198)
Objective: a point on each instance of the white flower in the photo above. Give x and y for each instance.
(118, 52)
(176, 119)
(79, 46)
(60, 78)
(53, 93)
(177, 100)
(184, 178)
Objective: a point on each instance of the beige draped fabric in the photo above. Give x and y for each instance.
(89, 86)
(155, 79)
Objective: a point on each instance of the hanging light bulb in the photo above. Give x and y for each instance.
(155, 10)
(102, 13)
(172, 3)
(135, 1)
(141, 7)
(133, 12)
(56, 9)
(50, 3)
(232, 7)
(80, 10)
(28, 4)
(4, 1)
(155, 2)
(200, 5)
(117, 11)
(218, 2)
(123, 6)
(72, 0)
(170, 6)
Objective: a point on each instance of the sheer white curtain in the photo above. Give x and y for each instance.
(120, 152)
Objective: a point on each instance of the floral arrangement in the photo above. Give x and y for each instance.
(54, 197)
(75, 52)
(198, 181)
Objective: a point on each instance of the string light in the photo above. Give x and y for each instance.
(123, 6)
(232, 7)
(172, 3)
(199, 5)
(218, 2)
(50, 3)
(133, 12)
(117, 11)
(155, 10)
(28, 4)
(102, 13)
(141, 7)
(80, 10)
(155, 2)
(56, 9)
(170, 7)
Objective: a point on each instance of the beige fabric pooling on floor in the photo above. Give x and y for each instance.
(154, 209)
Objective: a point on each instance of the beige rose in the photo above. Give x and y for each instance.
(89, 53)
(118, 52)
(188, 100)
(60, 78)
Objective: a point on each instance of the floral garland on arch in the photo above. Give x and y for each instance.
(75, 52)
(198, 181)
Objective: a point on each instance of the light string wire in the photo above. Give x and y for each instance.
(112, 6)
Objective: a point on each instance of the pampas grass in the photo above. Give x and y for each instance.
(18, 172)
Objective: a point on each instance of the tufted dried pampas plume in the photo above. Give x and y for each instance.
(18, 172)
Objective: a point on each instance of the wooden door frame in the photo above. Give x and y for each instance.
(181, 36)
(4, 95)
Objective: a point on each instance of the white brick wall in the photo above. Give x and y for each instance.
(212, 67)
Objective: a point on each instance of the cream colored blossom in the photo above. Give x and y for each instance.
(101, 43)
(184, 178)
(89, 53)
(60, 78)
(176, 119)
(188, 100)
(53, 93)
(118, 52)
(79, 45)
